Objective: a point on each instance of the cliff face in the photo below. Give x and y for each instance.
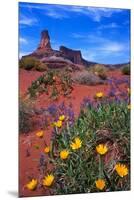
(45, 52)
(73, 55)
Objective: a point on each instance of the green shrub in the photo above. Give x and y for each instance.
(28, 62)
(44, 82)
(41, 67)
(31, 63)
(25, 117)
(126, 70)
(109, 125)
(99, 70)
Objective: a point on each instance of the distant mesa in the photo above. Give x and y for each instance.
(57, 58)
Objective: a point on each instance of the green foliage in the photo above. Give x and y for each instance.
(66, 83)
(108, 124)
(54, 94)
(99, 70)
(31, 63)
(126, 70)
(47, 83)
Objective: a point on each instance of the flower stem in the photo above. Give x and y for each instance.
(100, 166)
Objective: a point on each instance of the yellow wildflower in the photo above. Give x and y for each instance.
(129, 91)
(100, 184)
(76, 144)
(47, 149)
(40, 134)
(129, 106)
(48, 180)
(99, 94)
(101, 149)
(58, 124)
(32, 184)
(62, 117)
(64, 154)
(121, 169)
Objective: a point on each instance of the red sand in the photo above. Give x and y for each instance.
(28, 165)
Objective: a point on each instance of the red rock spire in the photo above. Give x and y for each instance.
(45, 41)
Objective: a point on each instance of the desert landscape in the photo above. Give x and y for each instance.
(74, 123)
(93, 102)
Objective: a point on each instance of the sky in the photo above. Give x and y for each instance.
(102, 34)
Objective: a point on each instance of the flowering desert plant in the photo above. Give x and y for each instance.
(84, 157)
(52, 83)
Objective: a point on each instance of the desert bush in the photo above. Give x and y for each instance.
(41, 67)
(77, 169)
(31, 63)
(126, 70)
(25, 117)
(99, 70)
(47, 83)
(87, 78)
(28, 62)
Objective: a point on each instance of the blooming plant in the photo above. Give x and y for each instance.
(47, 149)
(48, 180)
(90, 153)
(100, 184)
(32, 184)
(40, 134)
(87, 158)
(64, 154)
(121, 169)
(101, 149)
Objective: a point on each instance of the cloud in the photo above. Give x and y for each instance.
(55, 14)
(98, 13)
(100, 47)
(102, 54)
(109, 26)
(101, 42)
(63, 11)
(113, 47)
(23, 40)
(89, 55)
(29, 21)
(90, 38)
(49, 10)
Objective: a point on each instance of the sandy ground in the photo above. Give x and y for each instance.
(29, 155)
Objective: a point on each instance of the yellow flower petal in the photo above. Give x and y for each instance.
(76, 144)
(99, 94)
(40, 134)
(48, 180)
(64, 154)
(47, 149)
(101, 149)
(129, 91)
(121, 169)
(62, 117)
(32, 184)
(100, 184)
(58, 124)
(129, 106)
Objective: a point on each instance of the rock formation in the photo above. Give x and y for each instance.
(54, 58)
(73, 55)
(45, 44)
